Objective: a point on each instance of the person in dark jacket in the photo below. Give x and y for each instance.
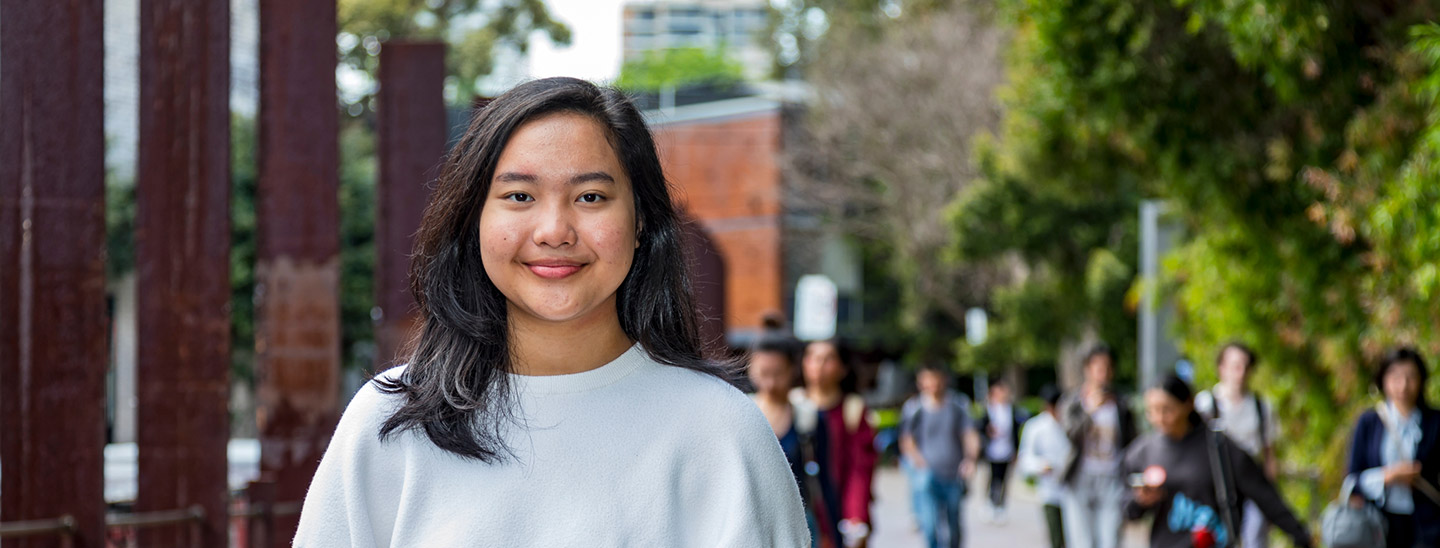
(1100, 425)
(1176, 479)
(999, 430)
(1395, 453)
(773, 373)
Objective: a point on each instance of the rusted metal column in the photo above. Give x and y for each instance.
(412, 133)
(52, 267)
(297, 336)
(183, 257)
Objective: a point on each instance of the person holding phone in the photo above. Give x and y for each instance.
(1193, 480)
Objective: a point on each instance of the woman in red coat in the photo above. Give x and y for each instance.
(830, 389)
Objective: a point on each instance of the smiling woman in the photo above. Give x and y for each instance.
(557, 395)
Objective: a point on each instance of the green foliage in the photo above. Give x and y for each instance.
(1297, 141)
(658, 69)
(474, 30)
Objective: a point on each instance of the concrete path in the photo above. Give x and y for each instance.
(1024, 528)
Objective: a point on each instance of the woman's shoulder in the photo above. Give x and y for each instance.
(374, 403)
(703, 396)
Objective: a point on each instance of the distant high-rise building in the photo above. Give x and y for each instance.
(737, 26)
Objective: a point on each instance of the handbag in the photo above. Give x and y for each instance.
(1345, 526)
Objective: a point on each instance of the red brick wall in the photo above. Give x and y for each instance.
(727, 177)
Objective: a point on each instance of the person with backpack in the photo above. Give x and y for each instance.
(942, 445)
(830, 389)
(1395, 453)
(1233, 408)
(773, 373)
(1194, 480)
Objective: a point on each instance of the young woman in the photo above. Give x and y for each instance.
(830, 390)
(773, 373)
(557, 395)
(1395, 453)
(1174, 478)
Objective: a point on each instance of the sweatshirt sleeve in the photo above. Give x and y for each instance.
(1132, 464)
(352, 498)
(856, 498)
(1250, 480)
(756, 501)
(1028, 460)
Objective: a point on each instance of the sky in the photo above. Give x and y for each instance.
(594, 51)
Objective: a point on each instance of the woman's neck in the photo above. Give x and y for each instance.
(772, 397)
(824, 397)
(541, 348)
(1402, 408)
(1184, 430)
(1231, 391)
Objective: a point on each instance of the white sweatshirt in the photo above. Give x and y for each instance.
(633, 453)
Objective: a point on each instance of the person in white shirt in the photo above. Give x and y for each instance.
(1044, 452)
(1000, 431)
(1231, 406)
(556, 394)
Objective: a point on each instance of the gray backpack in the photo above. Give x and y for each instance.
(1344, 526)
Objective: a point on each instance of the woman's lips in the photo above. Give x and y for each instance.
(553, 271)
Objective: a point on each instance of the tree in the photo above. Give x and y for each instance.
(656, 70)
(886, 144)
(475, 30)
(1296, 140)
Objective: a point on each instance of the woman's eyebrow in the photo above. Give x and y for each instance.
(589, 177)
(514, 177)
(593, 176)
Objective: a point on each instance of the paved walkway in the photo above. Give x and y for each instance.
(1025, 527)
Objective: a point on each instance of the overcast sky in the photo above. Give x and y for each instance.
(594, 51)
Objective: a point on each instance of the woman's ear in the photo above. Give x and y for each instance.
(639, 230)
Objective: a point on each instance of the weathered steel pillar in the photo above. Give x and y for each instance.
(297, 336)
(52, 267)
(183, 257)
(412, 133)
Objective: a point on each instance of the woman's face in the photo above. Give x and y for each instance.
(1402, 383)
(1234, 366)
(558, 228)
(822, 365)
(1099, 370)
(770, 372)
(1168, 415)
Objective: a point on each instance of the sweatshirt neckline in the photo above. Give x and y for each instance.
(584, 381)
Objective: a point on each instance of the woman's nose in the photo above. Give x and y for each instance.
(554, 226)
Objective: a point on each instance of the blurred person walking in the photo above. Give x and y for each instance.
(941, 442)
(1233, 408)
(1044, 452)
(1194, 480)
(773, 373)
(1100, 426)
(557, 394)
(1395, 453)
(999, 430)
(830, 389)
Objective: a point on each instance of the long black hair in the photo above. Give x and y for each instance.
(456, 386)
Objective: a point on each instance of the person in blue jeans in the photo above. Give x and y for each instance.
(940, 441)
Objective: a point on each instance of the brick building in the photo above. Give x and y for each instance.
(723, 157)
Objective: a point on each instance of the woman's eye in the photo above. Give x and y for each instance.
(518, 197)
(591, 198)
